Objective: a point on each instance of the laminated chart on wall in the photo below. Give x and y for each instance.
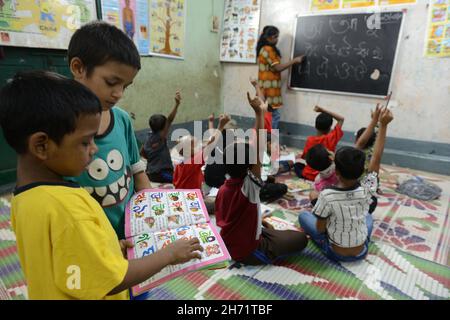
(240, 31)
(321, 5)
(131, 16)
(346, 4)
(167, 28)
(43, 23)
(437, 42)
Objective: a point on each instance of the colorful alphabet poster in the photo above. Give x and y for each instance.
(43, 23)
(131, 16)
(240, 31)
(437, 43)
(156, 218)
(319, 5)
(357, 3)
(396, 2)
(167, 28)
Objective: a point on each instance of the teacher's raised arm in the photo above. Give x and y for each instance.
(270, 68)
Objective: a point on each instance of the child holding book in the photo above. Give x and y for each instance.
(67, 247)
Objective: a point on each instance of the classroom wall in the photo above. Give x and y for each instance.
(421, 86)
(199, 75)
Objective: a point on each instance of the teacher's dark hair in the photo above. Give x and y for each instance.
(267, 32)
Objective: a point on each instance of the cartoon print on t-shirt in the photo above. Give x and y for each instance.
(113, 178)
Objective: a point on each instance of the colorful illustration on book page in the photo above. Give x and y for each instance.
(43, 23)
(319, 5)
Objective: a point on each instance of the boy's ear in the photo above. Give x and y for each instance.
(38, 145)
(77, 68)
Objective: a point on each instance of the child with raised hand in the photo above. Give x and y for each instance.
(105, 59)
(237, 209)
(340, 222)
(155, 149)
(188, 174)
(365, 137)
(325, 136)
(66, 245)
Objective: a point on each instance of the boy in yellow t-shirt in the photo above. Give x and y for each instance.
(67, 247)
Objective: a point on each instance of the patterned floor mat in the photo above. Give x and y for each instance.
(12, 280)
(386, 273)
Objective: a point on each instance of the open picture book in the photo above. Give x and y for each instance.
(155, 218)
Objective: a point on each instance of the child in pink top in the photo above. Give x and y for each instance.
(321, 159)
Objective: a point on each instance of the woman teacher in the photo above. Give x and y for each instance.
(270, 68)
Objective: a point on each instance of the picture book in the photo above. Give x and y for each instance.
(156, 218)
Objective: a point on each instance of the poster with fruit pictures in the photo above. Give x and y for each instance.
(240, 31)
(156, 218)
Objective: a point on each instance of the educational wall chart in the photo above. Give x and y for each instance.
(43, 23)
(167, 28)
(131, 16)
(156, 218)
(320, 5)
(437, 43)
(240, 31)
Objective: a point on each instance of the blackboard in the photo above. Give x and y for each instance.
(351, 53)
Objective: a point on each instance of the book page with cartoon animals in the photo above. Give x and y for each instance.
(150, 211)
(145, 244)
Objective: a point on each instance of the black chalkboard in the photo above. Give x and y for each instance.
(349, 53)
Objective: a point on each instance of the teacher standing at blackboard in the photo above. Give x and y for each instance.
(270, 68)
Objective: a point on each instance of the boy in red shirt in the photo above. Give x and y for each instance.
(329, 139)
(237, 208)
(188, 174)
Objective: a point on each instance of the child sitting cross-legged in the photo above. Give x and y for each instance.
(340, 222)
(237, 208)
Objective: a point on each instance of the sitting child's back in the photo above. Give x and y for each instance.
(326, 137)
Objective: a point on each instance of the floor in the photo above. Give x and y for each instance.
(408, 257)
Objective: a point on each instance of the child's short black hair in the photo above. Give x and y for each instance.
(371, 140)
(98, 42)
(318, 158)
(157, 122)
(42, 101)
(350, 162)
(238, 159)
(324, 122)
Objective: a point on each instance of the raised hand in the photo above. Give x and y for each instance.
(257, 104)
(376, 113)
(254, 82)
(386, 116)
(211, 117)
(223, 120)
(178, 98)
(318, 109)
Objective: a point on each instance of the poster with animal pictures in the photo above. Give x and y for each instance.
(167, 28)
(437, 42)
(156, 218)
(131, 16)
(240, 31)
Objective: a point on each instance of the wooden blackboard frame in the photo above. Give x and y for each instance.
(343, 12)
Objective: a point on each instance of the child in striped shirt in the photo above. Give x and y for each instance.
(340, 223)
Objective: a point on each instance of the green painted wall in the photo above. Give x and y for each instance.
(199, 75)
